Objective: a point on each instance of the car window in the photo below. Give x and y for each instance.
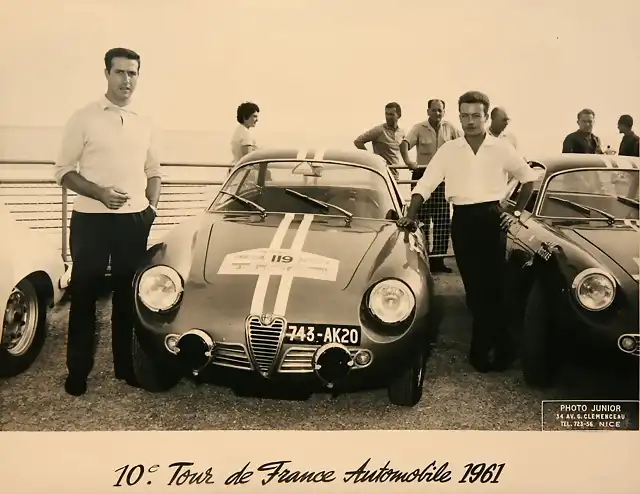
(516, 187)
(611, 190)
(357, 189)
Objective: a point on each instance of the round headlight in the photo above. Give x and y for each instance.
(391, 301)
(160, 288)
(594, 289)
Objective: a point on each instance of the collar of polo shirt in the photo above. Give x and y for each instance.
(489, 140)
(105, 103)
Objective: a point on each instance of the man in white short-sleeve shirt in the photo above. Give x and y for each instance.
(243, 142)
(106, 156)
(475, 170)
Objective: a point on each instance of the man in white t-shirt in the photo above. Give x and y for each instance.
(498, 128)
(243, 141)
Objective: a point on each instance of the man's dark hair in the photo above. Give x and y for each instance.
(245, 110)
(626, 120)
(471, 97)
(432, 101)
(120, 53)
(586, 111)
(395, 106)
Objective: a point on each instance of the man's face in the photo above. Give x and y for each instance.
(252, 120)
(473, 118)
(585, 122)
(122, 78)
(623, 129)
(500, 121)
(436, 112)
(391, 116)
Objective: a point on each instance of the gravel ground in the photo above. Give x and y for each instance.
(455, 397)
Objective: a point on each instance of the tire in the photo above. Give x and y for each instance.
(406, 389)
(539, 348)
(24, 329)
(151, 376)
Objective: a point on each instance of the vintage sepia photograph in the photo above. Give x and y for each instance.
(318, 216)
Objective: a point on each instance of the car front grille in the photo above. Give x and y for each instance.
(264, 342)
(231, 355)
(300, 360)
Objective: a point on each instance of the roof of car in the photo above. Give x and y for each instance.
(356, 156)
(567, 161)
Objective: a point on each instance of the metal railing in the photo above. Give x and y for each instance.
(166, 182)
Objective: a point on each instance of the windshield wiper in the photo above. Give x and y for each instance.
(326, 205)
(263, 211)
(627, 201)
(585, 209)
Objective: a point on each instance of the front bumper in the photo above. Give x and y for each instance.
(229, 361)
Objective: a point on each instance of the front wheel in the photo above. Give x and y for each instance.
(406, 389)
(24, 329)
(149, 374)
(539, 346)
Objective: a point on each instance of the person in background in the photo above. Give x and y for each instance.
(385, 138)
(428, 137)
(499, 123)
(243, 142)
(583, 140)
(630, 143)
(475, 170)
(107, 158)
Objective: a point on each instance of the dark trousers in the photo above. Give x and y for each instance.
(94, 238)
(479, 245)
(436, 209)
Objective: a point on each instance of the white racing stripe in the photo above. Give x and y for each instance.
(637, 261)
(319, 155)
(260, 292)
(607, 162)
(302, 155)
(284, 290)
(632, 224)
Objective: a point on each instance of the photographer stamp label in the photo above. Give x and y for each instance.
(590, 415)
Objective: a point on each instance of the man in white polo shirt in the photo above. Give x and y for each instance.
(107, 158)
(475, 170)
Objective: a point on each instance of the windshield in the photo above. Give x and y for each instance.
(280, 186)
(610, 190)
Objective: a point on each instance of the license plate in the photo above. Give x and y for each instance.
(321, 334)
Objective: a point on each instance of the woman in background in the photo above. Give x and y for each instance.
(243, 142)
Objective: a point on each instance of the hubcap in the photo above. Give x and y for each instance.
(20, 319)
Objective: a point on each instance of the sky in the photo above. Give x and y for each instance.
(320, 70)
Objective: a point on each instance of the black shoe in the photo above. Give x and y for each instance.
(503, 361)
(438, 266)
(482, 365)
(75, 386)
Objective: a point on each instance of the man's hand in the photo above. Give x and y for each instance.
(507, 220)
(407, 223)
(412, 165)
(113, 198)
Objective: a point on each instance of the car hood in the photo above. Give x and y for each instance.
(286, 261)
(619, 244)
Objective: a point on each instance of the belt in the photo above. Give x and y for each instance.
(477, 205)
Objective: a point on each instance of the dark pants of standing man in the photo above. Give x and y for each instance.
(479, 245)
(94, 238)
